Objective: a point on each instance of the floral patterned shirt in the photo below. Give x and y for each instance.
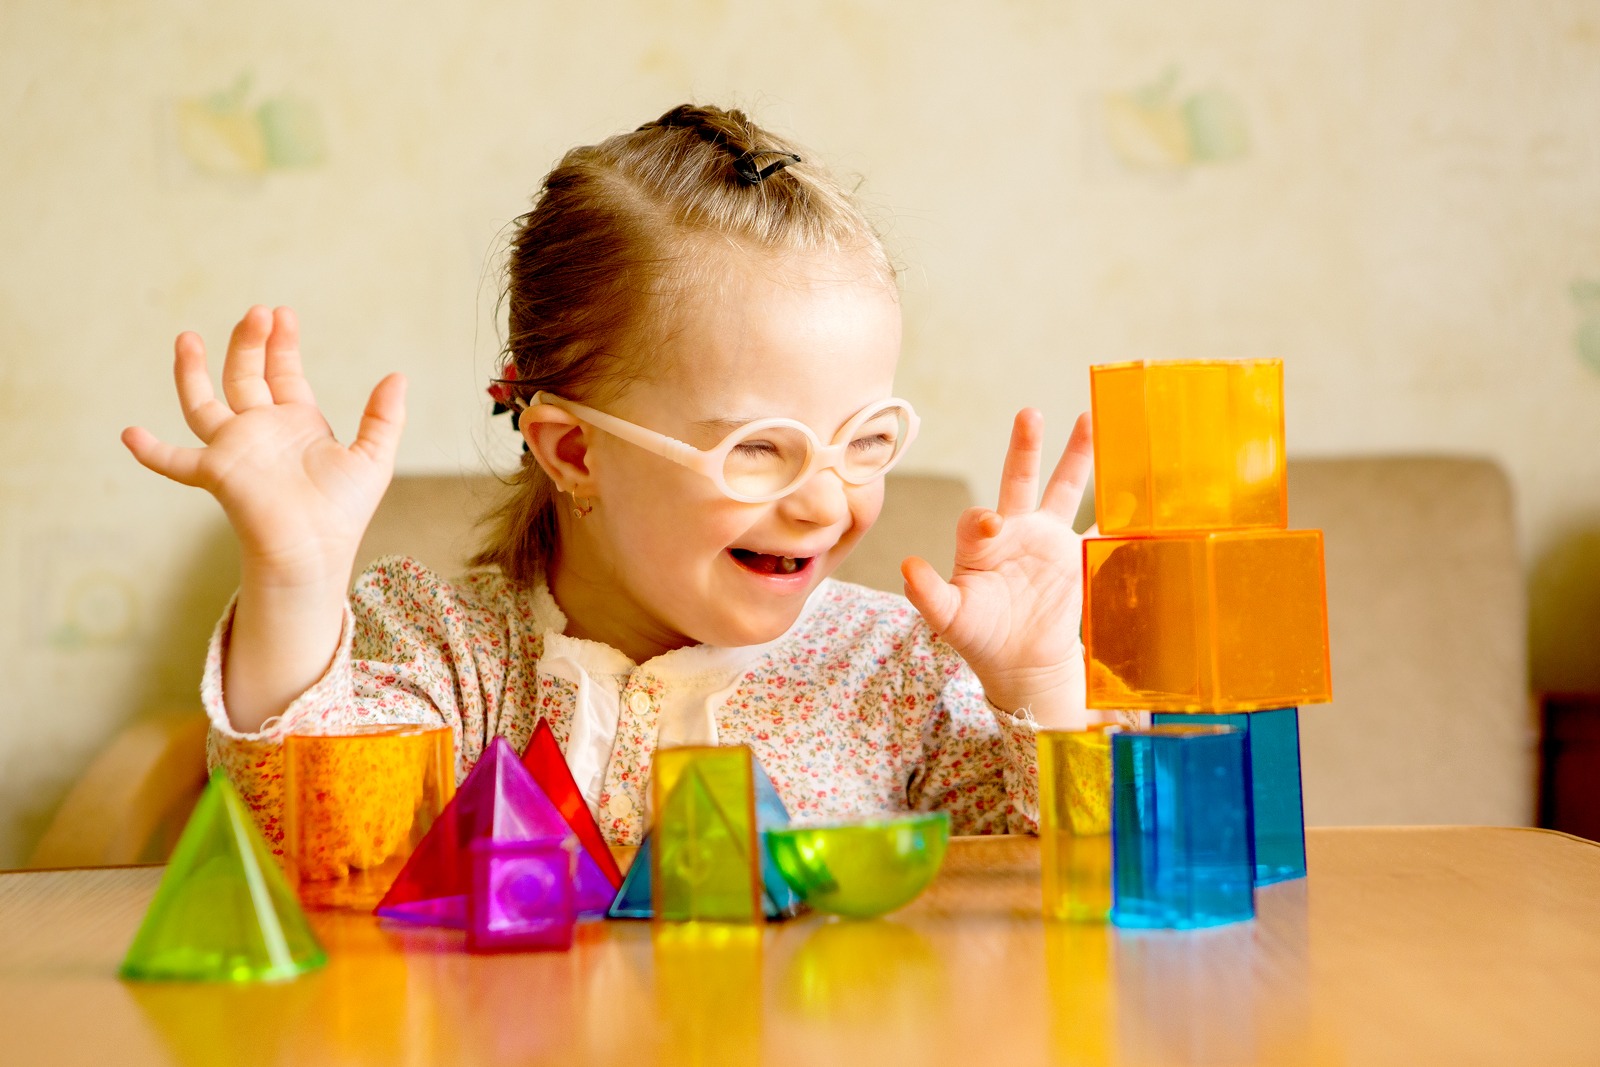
(858, 708)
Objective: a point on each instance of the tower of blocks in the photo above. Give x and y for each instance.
(503, 861)
(1201, 606)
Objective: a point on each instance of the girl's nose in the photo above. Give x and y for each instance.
(820, 500)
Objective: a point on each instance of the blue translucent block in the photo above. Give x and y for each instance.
(1181, 853)
(1272, 748)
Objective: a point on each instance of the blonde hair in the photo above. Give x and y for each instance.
(616, 229)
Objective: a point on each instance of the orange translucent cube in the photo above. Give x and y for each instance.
(1232, 621)
(1188, 445)
(356, 804)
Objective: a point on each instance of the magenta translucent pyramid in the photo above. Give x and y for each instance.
(499, 801)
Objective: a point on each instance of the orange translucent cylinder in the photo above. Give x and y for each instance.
(1188, 445)
(1228, 621)
(355, 805)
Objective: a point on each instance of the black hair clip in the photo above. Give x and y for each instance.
(744, 165)
(685, 117)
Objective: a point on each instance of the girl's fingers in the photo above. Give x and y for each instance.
(243, 381)
(1019, 479)
(378, 436)
(285, 379)
(204, 413)
(976, 527)
(935, 598)
(169, 461)
(1064, 492)
(977, 524)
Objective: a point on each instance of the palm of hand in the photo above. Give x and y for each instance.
(1020, 592)
(288, 486)
(1013, 605)
(298, 500)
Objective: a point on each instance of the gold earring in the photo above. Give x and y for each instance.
(580, 510)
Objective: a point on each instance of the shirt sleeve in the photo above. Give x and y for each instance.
(413, 649)
(979, 762)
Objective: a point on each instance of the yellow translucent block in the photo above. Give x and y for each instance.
(356, 804)
(1075, 823)
(706, 857)
(1188, 445)
(1219, 622)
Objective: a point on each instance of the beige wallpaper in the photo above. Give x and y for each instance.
(1400, 198)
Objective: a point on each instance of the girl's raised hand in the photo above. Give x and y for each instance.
(297, 499)
(1014, 604)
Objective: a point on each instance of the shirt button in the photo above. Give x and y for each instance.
(638, 702)
(620, 807)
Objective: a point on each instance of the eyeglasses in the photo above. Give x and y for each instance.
(768, 458)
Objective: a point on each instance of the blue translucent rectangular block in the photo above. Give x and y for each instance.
(1272, 747)
(1181, 853)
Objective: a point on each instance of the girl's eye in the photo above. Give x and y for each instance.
(756, 449)
(875, 441)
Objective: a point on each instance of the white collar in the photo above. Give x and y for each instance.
(679, 664)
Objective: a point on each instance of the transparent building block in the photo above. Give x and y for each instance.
(1272, 747)
(356, 804)
(523, 895)
(1075, 823)
(1181, 836)
(223, 911)
(706, 860)
(862, 868)
(498, 801)
(1214, 622)
(1188, 445)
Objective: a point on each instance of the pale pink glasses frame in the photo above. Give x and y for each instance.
(709, 462)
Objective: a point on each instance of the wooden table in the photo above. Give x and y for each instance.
(1406, 946)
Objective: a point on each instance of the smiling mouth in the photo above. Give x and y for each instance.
(762, 563)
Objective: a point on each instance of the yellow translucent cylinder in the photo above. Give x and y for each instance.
(705, 854)
(356, 803)
(1075, 823)
(1188, 445)
(1218, 622)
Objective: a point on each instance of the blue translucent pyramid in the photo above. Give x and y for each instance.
(778, 901)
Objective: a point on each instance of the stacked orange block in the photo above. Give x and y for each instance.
(1197, 597)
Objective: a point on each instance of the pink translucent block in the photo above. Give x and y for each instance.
(498, 801)
(523, 895)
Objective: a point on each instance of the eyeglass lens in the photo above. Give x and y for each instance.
(769, 459)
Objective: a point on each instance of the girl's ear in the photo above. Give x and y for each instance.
(560, 444)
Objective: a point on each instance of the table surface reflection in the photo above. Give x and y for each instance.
(1417, 945)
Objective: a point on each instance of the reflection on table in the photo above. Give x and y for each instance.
(1403, 946)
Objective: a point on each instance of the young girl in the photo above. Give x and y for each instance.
(703, 332)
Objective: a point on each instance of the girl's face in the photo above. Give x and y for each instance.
(664, 559)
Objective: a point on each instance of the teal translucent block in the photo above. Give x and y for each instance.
(1272, 749)
(862, 869)
(1181, 854)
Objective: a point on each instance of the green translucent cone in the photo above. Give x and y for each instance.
(223, 912)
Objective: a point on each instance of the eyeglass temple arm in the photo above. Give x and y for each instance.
(659, 443)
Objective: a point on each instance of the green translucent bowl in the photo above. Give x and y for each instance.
(864, 868)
